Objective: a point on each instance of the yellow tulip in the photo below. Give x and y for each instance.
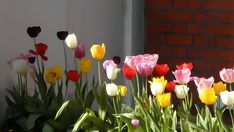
(158, 85)
(219, 87)
(122, 90)
(85, 65)
(164, 100)
(208, 96)
(52, 74)
(98, 51)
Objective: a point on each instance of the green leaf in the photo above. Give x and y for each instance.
(61, 109)
(82, 118)
(31, 120)
(195, 126)
(47, 128)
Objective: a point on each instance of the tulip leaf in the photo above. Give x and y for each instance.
(31, 120)
(82, 118)
(47, 128)
(61, 109)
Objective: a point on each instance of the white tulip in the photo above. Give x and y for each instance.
(111, 89)
(111, 72)
(20, 66)
(227, 97)
(181, 91)
(156, 88)
(71, 41)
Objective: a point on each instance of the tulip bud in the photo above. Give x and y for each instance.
(79, 51)
(71, 41)
(20, 66)
(111, 89)
(33, 31)
(227, 97)
(181, 91)
(62, 35)
(98, 51)
(135, 122)
(112, 72)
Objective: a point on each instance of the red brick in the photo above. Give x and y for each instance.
(199, 65)
(179, 39)
(225, 42)
(180, 3)
(200, 17)
(179, 16)
(193, 28)
(218, 55)
(162, 51)
(180, 52)
(211, 41)
(219, 30)
(219, 4)
(212, 17)
(199, 41)
(193, 53)
(159, 3)
(218, 66)
(155, 38)
(159, 27)
(150, 14)
(194, 4)
(226, 17)
(180, 28)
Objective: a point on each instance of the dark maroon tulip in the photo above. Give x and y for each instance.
(116, 59)
(33, 31)
(62, 35)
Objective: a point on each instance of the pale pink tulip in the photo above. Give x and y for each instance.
(227, 75)
(182, 76)
(145, 68)
(130, 61)
(203, 83)
(107, 63)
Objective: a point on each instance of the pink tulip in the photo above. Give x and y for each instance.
(227, 75)
(135, 122)
(79, 51)
(182, 76)
(130, 61)
(145, 68)
(107, 63)
(203, 83)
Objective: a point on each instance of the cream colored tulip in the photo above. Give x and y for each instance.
(227, 97)
(20, 66)
(112, 89)
(71, 41)
(111, 72)
(181, 91)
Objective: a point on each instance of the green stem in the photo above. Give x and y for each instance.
(26, 83)
(146, 86)
(133, 89)
(99, 73)
(38, 64)
(75, 62)
(65, 57)
(138, 87)
(116, 112)
(230, 112)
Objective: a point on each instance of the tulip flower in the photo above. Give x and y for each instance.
(182, 76)
(79, 51)
(40, 50)
(170, 86)
(185, 65)
(52, 74)
(135, 122)
(33, 31)
(208, 96)
(219, 87)
(31, 60)
(181, 91)
(98, 51)
(164, 100)
(145, 68)
(227, 75)
(73, 75)
(117, 60)
(122, 90)
(161, 69)
(20, 66)
(85, 65)
(227, 97)
(130, 61)
(111, 72)
(107, 63)
(128, 72)
(203, 83)
(111, 89)
(62, 35)
(71, 41)
(157, 85)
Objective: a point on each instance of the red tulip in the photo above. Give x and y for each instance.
(128, 72)
(185, 65)
(40, 50)
(73, 75)
(161, 69)
(170, 86)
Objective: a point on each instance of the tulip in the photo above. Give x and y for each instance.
(71, 41)
(98, 51)
(122, 90)
(208, 96)
(33, 31)
(40, 50)
(158, 85)
(107, 63)
(112, 72)
(130, 61)
(79, 51)
(135, 122)
(52, 74)
(20, 66)
(62, 35)
(164, 100)
(182, 76)
(181, 91)
(161, 69)
(145, 68)
(185, 65)
(73, 75)
(203, 83)
(227, 75)
(170, 86)
(227, 97)
(117, 60)
(85, 65)
(111, 89)
(219, 87)
(128, 72)
(31, 60)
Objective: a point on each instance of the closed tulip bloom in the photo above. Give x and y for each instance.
(79, 51)
(227, 97)
(164, 100)
(71, 41)
(157, 85)
(52, 74)
(62, 35)
(111, 72)
(208, 96)
(161, 69)
(85, 65)
(122, 90)
(219, 87)
(170, 86)
(111, 89)
(182, 76)
(128, 72)
(203, 83)
(33, 31)
(73, 75)
(181, 91)
(145, 68)
(135, 122)
(184, 66)
(20, 66)
(116, 59)
(98, 51)
(130, 61)
(227, 75)
(107, 63)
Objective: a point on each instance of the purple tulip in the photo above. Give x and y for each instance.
(80, 51)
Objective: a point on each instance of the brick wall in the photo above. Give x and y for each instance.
(200, 31)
